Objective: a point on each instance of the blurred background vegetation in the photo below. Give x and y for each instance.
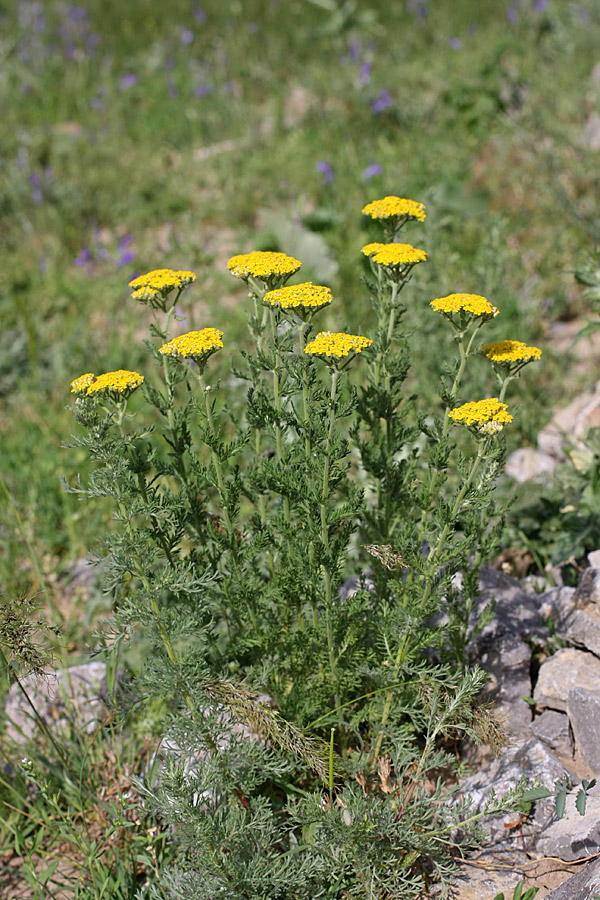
(143, 135)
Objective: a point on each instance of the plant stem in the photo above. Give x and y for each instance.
(278, 443)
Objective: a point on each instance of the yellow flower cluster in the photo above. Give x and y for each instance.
(80, 385)
(307, 295)
(505, 352)
(395, 208)
(337, 344)
(163, 280)
(121, 382)
(262, 264)
(155, 286)
(196, 345)
(394, 255)
(487, 416)
(470, 303)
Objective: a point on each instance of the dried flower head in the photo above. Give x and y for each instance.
(302, 298)
(80, 385)
(395, 208)
(116, 385)
(196, 345)
(485, 416)
(477, 306)
(267, 266)
(332, 346)
(506, 353)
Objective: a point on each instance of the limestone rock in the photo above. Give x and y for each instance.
(552, 728)
(516, 614)
(508, 661)
(574, 836)
(531, 760)
(75, 694)
(570, 424)
(560, 673)
(583, 886)
(583, 708)
(527, 463)
(576, 619)
(477, 884)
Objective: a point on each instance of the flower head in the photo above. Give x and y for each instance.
(80, 385)
(486, 417)
(398, 259)
(471, 304)
(196, 345)
(116, 385)
(333, 346)
(507, 353)
(395, 208)
(154, 287)
(270, 267)
(304, 299)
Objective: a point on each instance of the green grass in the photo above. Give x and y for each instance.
(487, 135)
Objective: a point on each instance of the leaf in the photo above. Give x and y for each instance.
(561, 799)
(518, 891)
(537, 793)
(581, 802)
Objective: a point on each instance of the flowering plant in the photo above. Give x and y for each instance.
(280, 561)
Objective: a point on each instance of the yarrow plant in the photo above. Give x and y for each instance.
(280, 556)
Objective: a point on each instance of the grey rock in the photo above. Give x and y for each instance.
(527, 463)
(531, 760)
(508, 661)
(552, 728)
(570, 424)
(583, 886)
(560, 673)
(575, 619)
(517, 613)
(74, 695)
(591, 131)
(588, 587)
(583, 708)
(574, 836)
(594, 559)
(355, 583)
(478, 884)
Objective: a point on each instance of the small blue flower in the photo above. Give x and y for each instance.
(372, 170)
(382, 101)
(326, 170)
(455, 43)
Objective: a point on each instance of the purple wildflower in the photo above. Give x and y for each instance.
(84, 257)
(326, 170)
(128, 80)
(455, 43)
(77, 12)
(382, 101)
(540, 5)
(125, 256)
(199, 15)
(353, 51)
(417, 7)
(201, 90)
(96, 103)
(229, 87)
(372, 170)
(36, 189)
(186, 36)
(365, 72)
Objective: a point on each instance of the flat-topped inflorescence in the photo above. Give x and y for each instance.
(395, 208)
(118, 385)
(485, 416)
(196, 345)
(154, 287)
(265, 265)
(397, 259)
(331, 346)
(303, 298)
(472, 304)
(80, 385)
(505, 353)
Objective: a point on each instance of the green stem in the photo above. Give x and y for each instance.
(278, 442)
(325, 540)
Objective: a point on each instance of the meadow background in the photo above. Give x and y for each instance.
(153, 135)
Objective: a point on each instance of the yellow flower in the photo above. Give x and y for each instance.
(395, 208)
(486, 416)
(394, 255)
(266, 265)
(465, 303)
(507, 352)
(196, 345)
(305, 297)
(154, 287)
(336, 345)
(80, 385)
(116, 385)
